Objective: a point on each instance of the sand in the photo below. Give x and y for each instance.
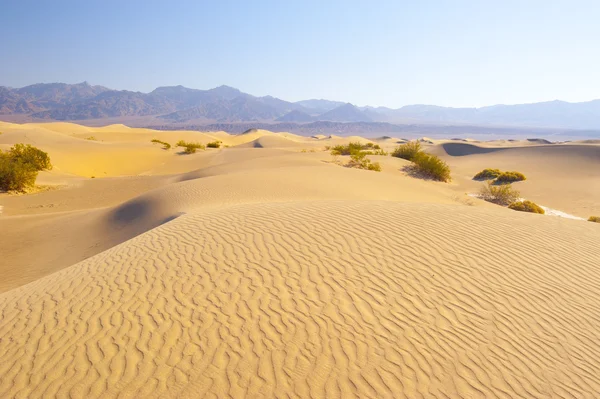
(269, 271)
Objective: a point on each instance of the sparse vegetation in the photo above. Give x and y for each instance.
(19, 167)
(347, 149)
(214, 144)
(377, 152)
(358, 159)
(488, 174)
(502, 195)
(372, 146)
(431, 166)
(526, 206)
(165, 145)
(509, 177)
(91, 138)
(595, 219)
(190, 148)
(408, 150)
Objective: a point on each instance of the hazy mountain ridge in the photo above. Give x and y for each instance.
(223, 104)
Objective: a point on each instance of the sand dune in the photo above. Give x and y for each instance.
(561, 176)
(272, 272)
(300, 299)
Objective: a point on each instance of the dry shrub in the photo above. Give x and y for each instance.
(502, 195)
(165, 145)
(527, 206)
(190, 148)
(432, 166)
(595, 219)
(408, 150)
(487, 174)
(214, 144)
(509, 177)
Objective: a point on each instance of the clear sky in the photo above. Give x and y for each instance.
(391, 53)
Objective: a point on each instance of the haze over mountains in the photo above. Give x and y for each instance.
(178, 104)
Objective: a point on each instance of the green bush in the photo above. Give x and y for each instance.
(359, 160)
(408, 150)
(347, 149)
(190, 148)
(214, 144)
(502, 195)
(19, 167)
(432, 166)
(30, 155)
(526, 206)
(509, 177)
(487, 174)
(595, 219)
(165, 145)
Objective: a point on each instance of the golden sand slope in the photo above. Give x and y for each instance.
(318, 299)
(269, 272)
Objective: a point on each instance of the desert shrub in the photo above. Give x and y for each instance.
(19, 167)
(16, 175)
(408, 150)
(347, 149)
(595, 219)
(432, 166)
(165, 145)
(509, 177)
(487, 174)
(502, 195)
(33, 156)
(377, 152)
(359, 160)
(190, 148)
(526, 206)
(214, 144)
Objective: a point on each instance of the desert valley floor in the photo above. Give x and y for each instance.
(266, 269)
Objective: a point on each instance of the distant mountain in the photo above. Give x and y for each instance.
(320, 106)
(178, 104)
(238, 109)
(296, 116)
(346, 113)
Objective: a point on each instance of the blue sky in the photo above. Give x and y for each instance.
(391, 53)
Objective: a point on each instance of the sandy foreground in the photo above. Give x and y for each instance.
(266, 270)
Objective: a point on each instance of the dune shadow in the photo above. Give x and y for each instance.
(464, 149)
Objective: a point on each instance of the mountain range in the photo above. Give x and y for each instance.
(224, 104)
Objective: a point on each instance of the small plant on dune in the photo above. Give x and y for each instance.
(408, 150)
(377, 152)
(527, 206)
(358, 159)
(509, 177)
(502, 195)
(347, 149)
(432, 166)
(165, 145)
(487, 174)
(214, 144)
(190, 148)
(91, 138)
(595, 219)
(19, 167)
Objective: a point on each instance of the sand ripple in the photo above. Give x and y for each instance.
(317, 299)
